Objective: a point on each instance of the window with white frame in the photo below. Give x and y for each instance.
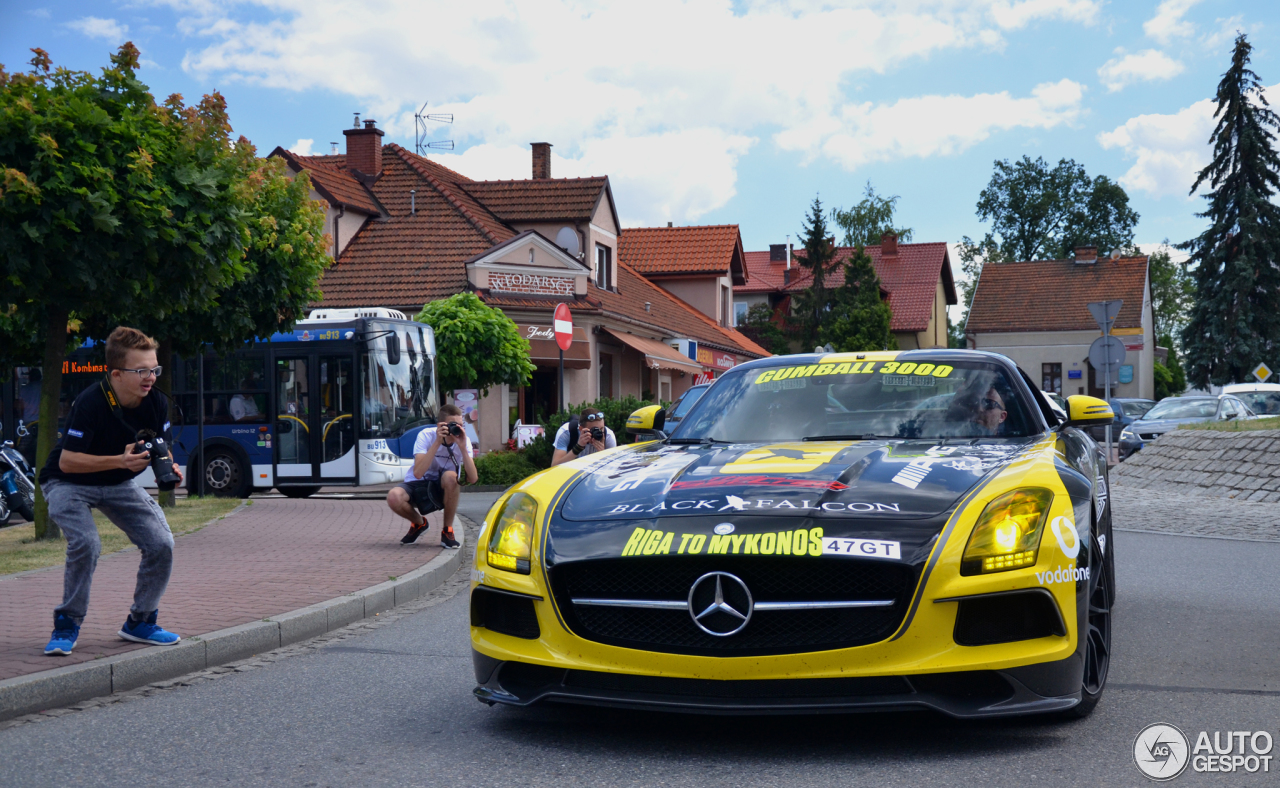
(604, 267)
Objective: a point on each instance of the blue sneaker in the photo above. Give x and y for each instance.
(147, 631)
(65, 632)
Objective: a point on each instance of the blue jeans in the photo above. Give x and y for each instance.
(134, 512)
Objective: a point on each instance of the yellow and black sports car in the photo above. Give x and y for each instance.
(827, 532)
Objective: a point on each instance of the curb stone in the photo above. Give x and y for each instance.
(75, 683)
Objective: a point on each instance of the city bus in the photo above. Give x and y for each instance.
(336, 402)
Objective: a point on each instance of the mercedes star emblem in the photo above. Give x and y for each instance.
(720, 604)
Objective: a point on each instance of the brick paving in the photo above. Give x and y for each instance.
(269, 558)
(1192, 511)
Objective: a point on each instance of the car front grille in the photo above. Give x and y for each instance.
(770, 579)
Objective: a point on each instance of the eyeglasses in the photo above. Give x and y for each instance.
(154, 372)
(593, 417)
(990, 404)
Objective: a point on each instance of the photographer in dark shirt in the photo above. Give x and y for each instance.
(94, 465)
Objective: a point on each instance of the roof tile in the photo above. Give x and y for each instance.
(683, 250)
(1053, 295)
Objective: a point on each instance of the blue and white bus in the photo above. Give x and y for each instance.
(338, 401)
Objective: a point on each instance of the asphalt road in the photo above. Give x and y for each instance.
(1195, 645)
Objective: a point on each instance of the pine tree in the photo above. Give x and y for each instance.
(819, 254)
(1235, 321)
(858, 318)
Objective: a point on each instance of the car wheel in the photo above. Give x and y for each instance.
(224, 476)
(1097, 631)
(298, 492)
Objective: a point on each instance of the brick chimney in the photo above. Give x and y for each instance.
(1086, 255)
(541, 161)
(364, 148)
(889, 245)
(777, 253)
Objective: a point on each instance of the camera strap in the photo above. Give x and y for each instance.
(114, 404)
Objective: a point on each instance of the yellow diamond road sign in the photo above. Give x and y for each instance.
(1262, 372)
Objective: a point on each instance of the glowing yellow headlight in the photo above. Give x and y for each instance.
(511, 542)
(1007, 535)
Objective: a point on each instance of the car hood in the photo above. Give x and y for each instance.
(858, 479)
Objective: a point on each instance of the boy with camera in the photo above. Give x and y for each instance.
(441, 460)
(589, 435)
(101, 451)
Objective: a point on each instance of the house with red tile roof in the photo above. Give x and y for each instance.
(915, 279)
(407, 230)
(700, 264)
(1037, 313)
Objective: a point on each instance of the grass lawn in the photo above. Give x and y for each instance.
(19, 550)
(1269, 423)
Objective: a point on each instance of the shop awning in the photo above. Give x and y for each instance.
(656, 354)
(544, 352)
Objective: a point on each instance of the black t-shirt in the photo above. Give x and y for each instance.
(93, 429)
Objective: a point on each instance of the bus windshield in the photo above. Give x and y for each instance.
(400, 396)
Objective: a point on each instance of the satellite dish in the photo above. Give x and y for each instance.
(1115, 254)
(567, 239)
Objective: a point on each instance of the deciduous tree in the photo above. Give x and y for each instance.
(477, 346)
(866, 222)
(1235, 321)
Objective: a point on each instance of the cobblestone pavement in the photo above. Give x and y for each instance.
(460, 581)
(1166, 511)
(268, 558)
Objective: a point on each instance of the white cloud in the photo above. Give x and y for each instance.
(39, 13)
(1168, 150)
(302, 147)
(1145, 66)
(1168, 23)
(663, 96)
(931, 125)
(97, 27)
(1226, 33)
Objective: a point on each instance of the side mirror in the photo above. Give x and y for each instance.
(393, 348)
(1085, 411)
(648, 421)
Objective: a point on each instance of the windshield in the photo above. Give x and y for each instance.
(1200, 408)
(687, 402)
(1263, 403)
(397, 397)
(916, 399)
(1136, 408)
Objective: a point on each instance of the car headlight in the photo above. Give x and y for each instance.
(1128, 433)
(511, 541)
(1007, 535)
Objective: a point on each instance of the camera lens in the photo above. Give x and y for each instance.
(454, 429)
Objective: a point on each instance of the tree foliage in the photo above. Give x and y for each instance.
(1172, 293)
(1043, 213)
(477, 346)
(111, 206)
(761, 326)
(866, 222)
(1235, 321)
(857, 317)
(818, 259)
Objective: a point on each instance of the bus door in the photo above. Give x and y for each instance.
(314, 422)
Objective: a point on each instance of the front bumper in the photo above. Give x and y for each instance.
(1032, 689)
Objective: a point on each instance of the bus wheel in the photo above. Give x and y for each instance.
(224, 476)
(298, 492)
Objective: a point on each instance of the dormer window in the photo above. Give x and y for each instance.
(604, 267)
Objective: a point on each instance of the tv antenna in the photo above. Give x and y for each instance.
(421, 129)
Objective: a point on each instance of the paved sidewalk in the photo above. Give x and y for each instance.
(268, 558)
(1193, 511)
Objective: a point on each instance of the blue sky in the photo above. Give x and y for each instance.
(706, 112)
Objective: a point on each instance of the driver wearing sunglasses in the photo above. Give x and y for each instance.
(990, 412)
(592, 436)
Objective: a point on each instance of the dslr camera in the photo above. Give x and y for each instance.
(455, 429)
(597, 433)
(161, 459)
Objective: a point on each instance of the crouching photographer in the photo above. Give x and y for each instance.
(441, 461)
(583, 434)
(115, 431)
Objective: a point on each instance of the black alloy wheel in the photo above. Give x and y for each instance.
(224, 476)
(1097, 631)
(298, 492)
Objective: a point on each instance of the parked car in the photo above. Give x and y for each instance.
(685, 402)
(1262, 398)
(1127, 410)
(1173, 411)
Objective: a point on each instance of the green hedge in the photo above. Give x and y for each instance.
(504, 467)
(540, 450)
